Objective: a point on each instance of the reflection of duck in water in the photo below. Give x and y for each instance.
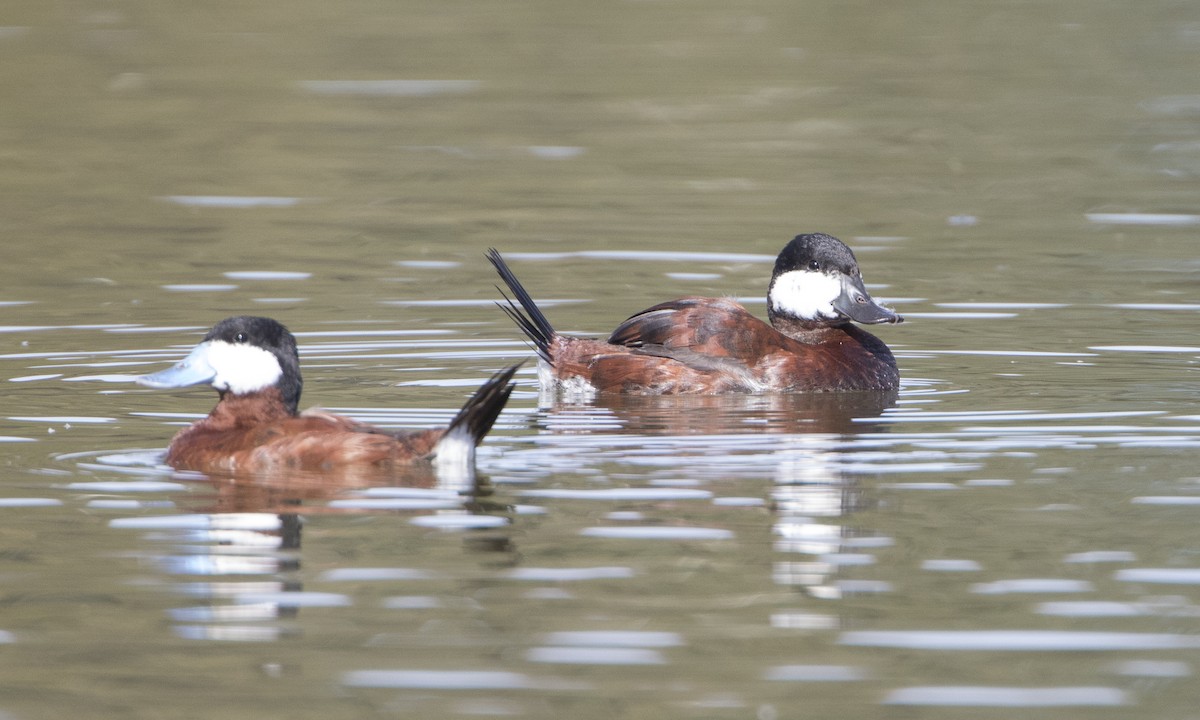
(253, 364)
(737, 414)
(700, 345)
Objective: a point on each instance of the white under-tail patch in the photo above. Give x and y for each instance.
(454, 459)
(241, 368)
(806, 294)
(551, 388)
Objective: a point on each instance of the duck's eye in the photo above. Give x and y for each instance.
(814, 265)
(241, 337)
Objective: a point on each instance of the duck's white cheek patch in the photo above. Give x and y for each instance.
(807, 295)
(242, 368)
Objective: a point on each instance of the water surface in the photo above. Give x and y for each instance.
(1015, 529)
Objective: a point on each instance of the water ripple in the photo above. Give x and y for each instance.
(656, 532)
(1032, 585)
(556, 575)
(1019, 640)
(437, 679)
(1165, 576)
(1008, 697)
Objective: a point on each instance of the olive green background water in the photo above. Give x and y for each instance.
(1020, 180)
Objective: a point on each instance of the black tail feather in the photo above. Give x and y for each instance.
(480, 412)
(532, 322)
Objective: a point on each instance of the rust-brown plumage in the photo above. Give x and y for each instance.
(254, 434)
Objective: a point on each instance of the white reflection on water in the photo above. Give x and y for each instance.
(570, 574)
(429, 264)
(1100, 556)
(809, 621)
(267, 275)
(460, 521)
(63, 419)
(218, 565)
(1165, 576)
(224, 613)
(29, 502)
(1008, 697)
(736, 501)
(1094, 608)
(657, 532)
(123, 486)
(1171, 219)
(1032, 585)
(231, 633)
(294, 599)
(556, 152)
(1019, 640)
(1177, 500)
(235, 545)
(951, 565)
(438, 679)
(919, 486)
(1188, 349)
(225, 589)
(199, 287)
(604, 647)
(224, 521)
(231, 201)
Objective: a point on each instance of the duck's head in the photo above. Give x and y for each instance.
(241, 355)
(817, 282)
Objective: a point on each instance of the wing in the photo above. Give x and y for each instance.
(697, 329)
(321, 439)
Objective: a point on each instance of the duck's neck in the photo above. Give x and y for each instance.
(805, 331)
(250, 409)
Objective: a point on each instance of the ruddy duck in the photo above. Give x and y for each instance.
(253, 364)
(698, 345)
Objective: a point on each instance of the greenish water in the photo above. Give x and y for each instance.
(1017, 531)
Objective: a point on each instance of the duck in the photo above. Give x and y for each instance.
(712, 346)
(255, 427)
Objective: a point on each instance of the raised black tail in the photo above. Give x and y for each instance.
(479, 413)
(532, 322)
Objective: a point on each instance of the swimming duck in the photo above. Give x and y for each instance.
(703, 345)
(253, 364)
